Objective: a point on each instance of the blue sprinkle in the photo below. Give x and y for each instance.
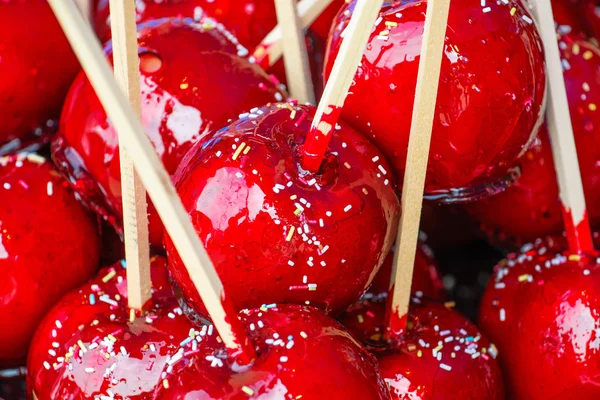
(92, 299)
(186, 341)
(124, 264)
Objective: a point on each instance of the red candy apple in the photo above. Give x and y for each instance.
(442, 356)
(590, 10)
(49, 244)
(191, 84)
(542, 309)
(531, 208)
(491, 94)
(90, 347)
(33, 84)
(277, 233)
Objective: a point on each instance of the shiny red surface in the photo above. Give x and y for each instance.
(33, 85)
(245, 201)
(199, 86)
(531, 208)
(590, 10)
(49, 244)
(490, 97)
(442, 356)
(301, 351)
(249, 20)
(426, 276)
(542, 310)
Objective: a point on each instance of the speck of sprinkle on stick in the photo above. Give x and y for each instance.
(428, 78)
(562, 140)
(88, 50)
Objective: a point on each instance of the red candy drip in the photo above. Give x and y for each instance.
(317, 140)
(579, 236)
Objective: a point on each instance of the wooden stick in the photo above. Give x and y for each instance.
(428, 79)
(297, 68)
(561, 137)
(135, 214)
(85, 6)
(270, 49)
(155, 179)
(348, 59)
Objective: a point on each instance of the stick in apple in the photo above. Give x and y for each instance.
(348, 59)
(428, 78)
(135, 215)
(575, 215)
(297, 68)
(155, 179)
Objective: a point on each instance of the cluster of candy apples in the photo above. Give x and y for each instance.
(294, 248)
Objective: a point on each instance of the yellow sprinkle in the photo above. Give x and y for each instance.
(247, 149)
(247, 390)
(453, 355)
(293, 197)
(111, 338)
(81, 346)
(34, 158)
(384, 33)
(298, 211)
(449, 304)
(365, 191)
(586, 87)
(290, 233)
(391, 24)
(513, 11)
(206, 26)
(574, 257)
(293, 114)
(439, 347)
(575, 49)
(419, 353)
(456, 47)
(592, 107)
(524, 277)
(588, 55)
(107, 355)
(109, 276)
(347, 165)
(412, 347)
(360, 319)
(165, 383)
(238, 151)
(131, 315)
(184, 86)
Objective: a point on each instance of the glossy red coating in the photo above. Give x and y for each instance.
(49, 244)
(276, 233)
(542, 310)
(192, 83)
(427, 280)
(590, 11)
(531, 208)
(442, 356)
(87, 347)
(33, 84)
(249, 20)
(490, 99)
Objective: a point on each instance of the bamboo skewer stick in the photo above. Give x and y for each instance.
(270, 50)
(155, 179)
(428, 78)
(135, 215)
(575, 215)
(297, 68)
(85, 6)
(348, 59)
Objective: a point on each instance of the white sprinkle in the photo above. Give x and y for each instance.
(487, 9)
(383, 171)
(375, 159)
(348, 208)
(446, 367)
(290, 263)
(586, 272)
(500, 285)
(321, 222)
(283, 359)
(89, 370)
(502, 314)
(328, 213)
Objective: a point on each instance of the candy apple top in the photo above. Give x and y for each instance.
(192, 83)
(33, 84)
(277, 233)
(90, 346)
(542, 309)
(49, 244)
(442, 356)
(490, 100)
(531, 208)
